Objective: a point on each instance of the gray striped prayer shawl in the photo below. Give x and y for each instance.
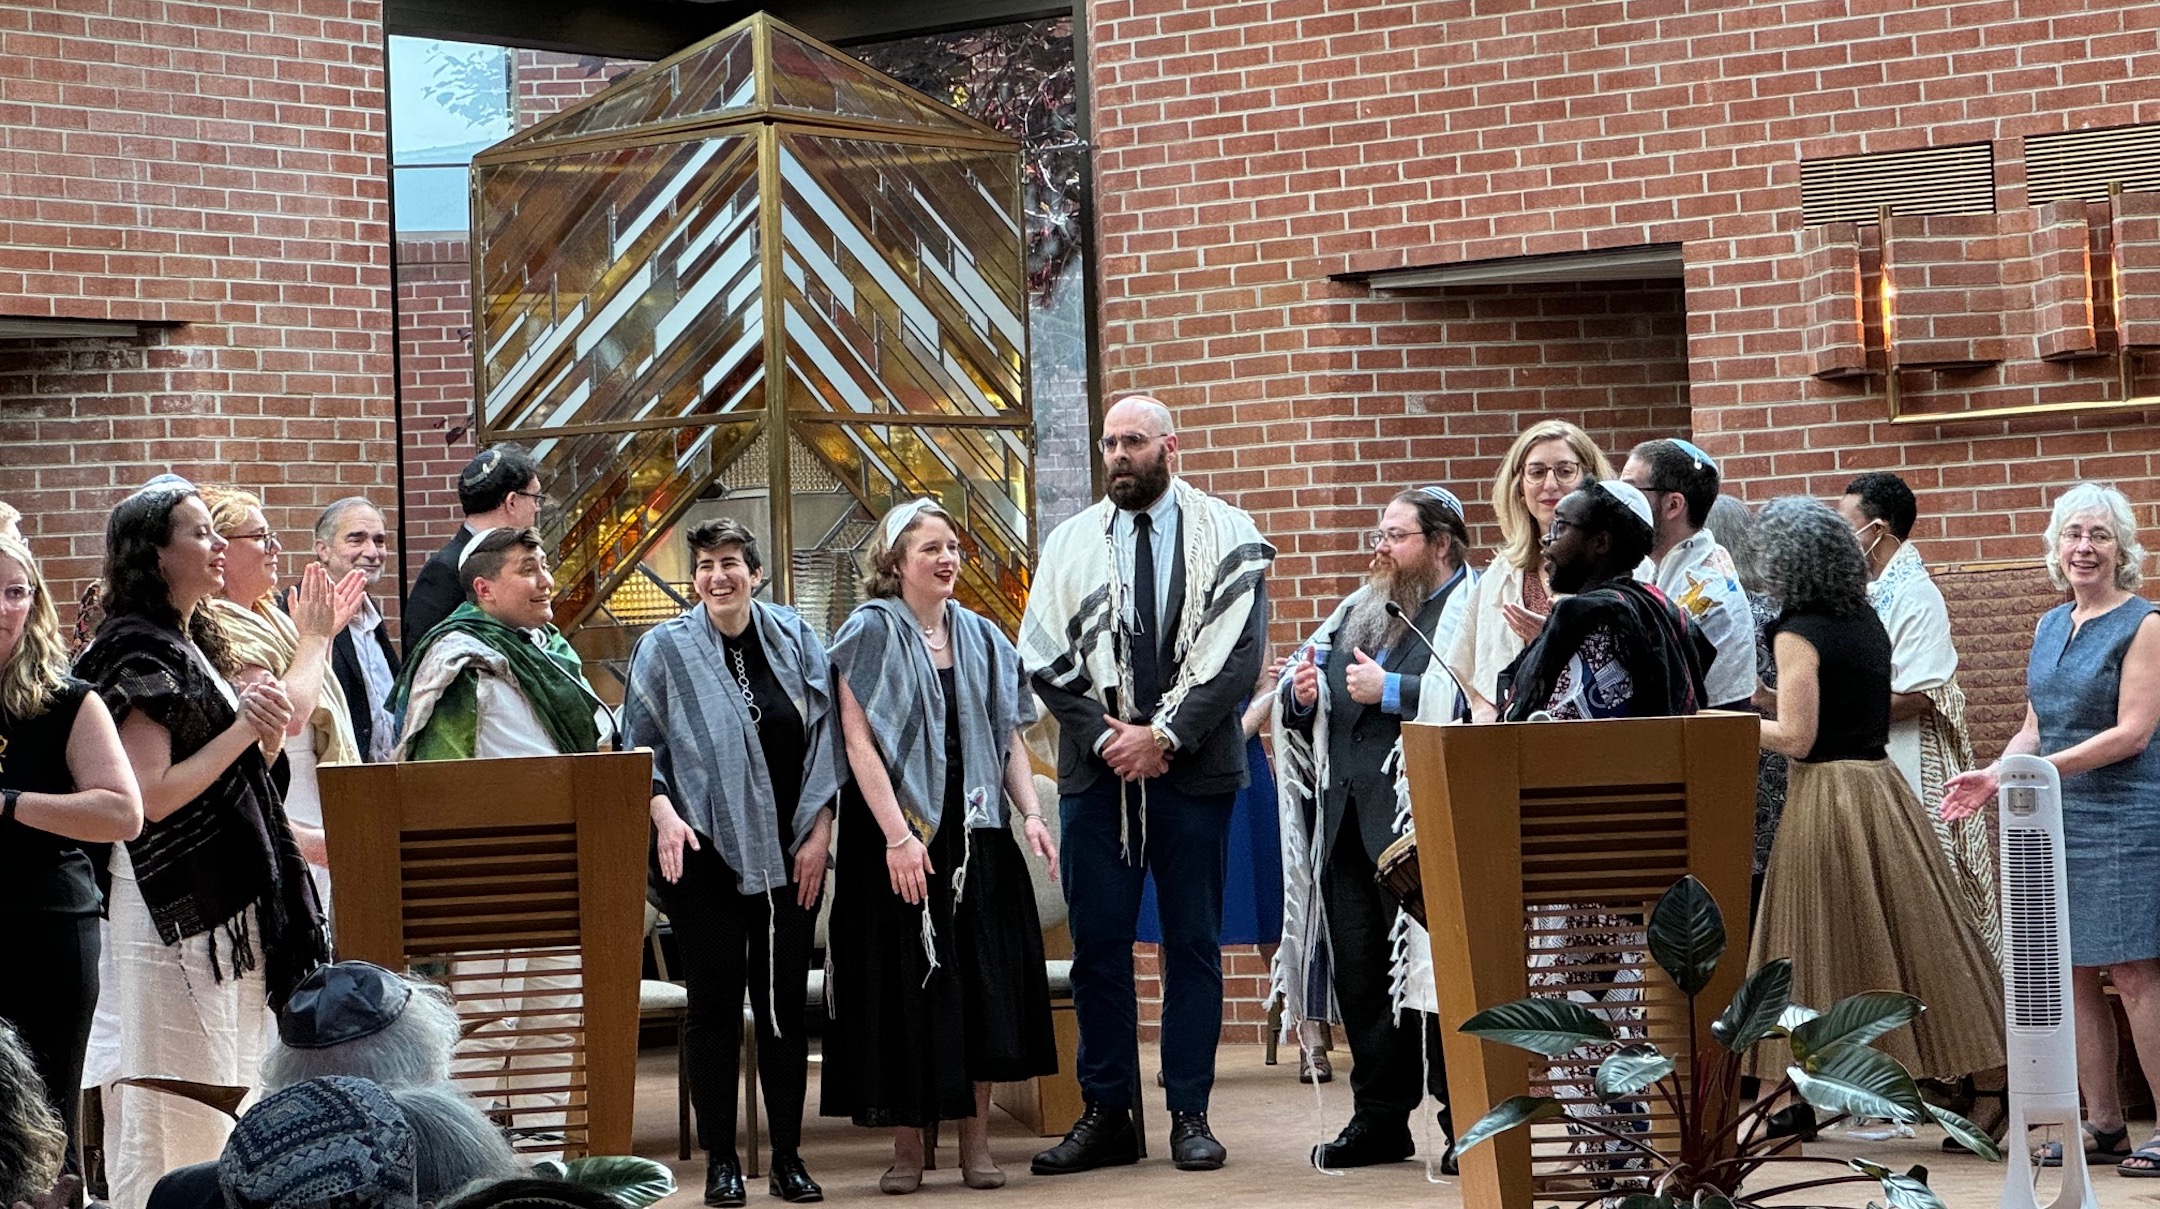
(682, 703)
(879, 651)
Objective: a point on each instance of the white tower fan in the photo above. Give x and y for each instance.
(2042, 1030)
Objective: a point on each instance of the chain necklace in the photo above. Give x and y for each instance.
(937, 644)
(742, 677)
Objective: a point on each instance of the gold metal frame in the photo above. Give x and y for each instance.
(986, 355)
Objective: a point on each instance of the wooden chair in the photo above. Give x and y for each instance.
(1542, 846)
(520, 884)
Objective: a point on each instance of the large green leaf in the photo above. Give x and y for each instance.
(633, 1181)
(1756, 1007)
(1517, 1110)
(1902, 1190)
(1687, 934)
(1856, 1020)
(1551, 1027)
(1795, 1015)
(1628, 1070)
(1969, 1135)
(1849, 1078)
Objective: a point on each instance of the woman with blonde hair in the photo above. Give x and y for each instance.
(937, 956)
(1509, 602)
(65, 791)
(294, 647)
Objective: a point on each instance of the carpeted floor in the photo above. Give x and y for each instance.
(1269, 1122)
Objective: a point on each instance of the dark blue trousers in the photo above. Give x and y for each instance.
(1187, 841)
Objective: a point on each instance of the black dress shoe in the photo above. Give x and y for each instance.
(791, 1182)
(1102, 1137)
(723, 1182)
(1192, 1147)
(1365, 1143)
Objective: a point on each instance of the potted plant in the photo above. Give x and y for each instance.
(1722, 1142)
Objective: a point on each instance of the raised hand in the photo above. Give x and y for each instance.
(1366, 680)
(1305, 681)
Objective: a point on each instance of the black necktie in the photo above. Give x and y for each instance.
(1147, 642)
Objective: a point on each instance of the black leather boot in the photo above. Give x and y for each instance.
(1102, 1137)
(1192, 1146)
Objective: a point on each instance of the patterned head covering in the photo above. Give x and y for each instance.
(329, 1143)
(1446, 498)
(897, 520)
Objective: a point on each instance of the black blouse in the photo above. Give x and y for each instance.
(780, 725)
(1853, 717)
(42, 873)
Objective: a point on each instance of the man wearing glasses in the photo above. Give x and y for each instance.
(1339, 715)
(1145, 629)
(498, 489)
(1691, 569)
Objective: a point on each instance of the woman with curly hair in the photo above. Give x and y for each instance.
(32, 1141)
(65, 791)
(211, 911)
(1853, 835)
(1509, 602)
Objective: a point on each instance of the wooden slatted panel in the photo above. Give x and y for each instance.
(2081, 164)
(1958, 179)
(469, 893)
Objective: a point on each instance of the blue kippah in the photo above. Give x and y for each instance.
(1693, 450)
(1446, 497)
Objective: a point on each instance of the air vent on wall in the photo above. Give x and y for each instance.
(2083, 163)
(1925, 180)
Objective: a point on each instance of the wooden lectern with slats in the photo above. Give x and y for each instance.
(520, 885)
(1542, 846)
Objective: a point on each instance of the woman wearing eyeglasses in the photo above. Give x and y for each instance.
(2092, 684)
(1509, 602)
(65, 787)
(269, 644)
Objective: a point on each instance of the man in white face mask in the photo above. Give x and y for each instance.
(1928, 739)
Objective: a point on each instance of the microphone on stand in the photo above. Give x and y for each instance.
(1396, 611)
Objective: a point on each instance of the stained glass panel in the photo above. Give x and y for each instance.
(902, 282)
(811, 79)
(644, 301)
(710, 81)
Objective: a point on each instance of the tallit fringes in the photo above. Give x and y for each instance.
(772, 929)
(959, 877)
(929, 939)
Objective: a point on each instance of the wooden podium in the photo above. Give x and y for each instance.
(1542, 846)
(520, 884)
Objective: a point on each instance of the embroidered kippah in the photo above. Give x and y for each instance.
(1446, 497)
(329, 1143)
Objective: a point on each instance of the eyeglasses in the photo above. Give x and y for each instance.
(267, 538)
(1130, 442)
(1390, 537)
(18, 595)
(539, 498)
(1563, 473)
(2098, 537)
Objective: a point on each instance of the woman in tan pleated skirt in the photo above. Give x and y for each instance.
(1857, 892)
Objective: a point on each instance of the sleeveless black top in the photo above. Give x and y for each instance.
(42, 873)
(1853, 719)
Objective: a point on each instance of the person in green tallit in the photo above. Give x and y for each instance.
(496, 679)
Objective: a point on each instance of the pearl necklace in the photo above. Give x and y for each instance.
(934, 643)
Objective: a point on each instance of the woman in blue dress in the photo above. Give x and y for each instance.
(2093, 692)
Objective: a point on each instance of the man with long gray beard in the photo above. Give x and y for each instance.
(1339, 714)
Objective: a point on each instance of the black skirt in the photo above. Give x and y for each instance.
(909, 1042)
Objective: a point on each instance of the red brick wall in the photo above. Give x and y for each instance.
(216, 171)
(1247, 152)
(435, 388)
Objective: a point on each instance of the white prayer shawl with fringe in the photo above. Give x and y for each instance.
(1071, 633)
(879, 651)
(683, 704)
(1934, 747)
(1302, 969)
